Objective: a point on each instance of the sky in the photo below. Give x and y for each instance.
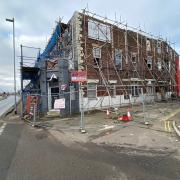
(35, 20)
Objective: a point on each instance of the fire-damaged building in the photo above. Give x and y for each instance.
(122, 64)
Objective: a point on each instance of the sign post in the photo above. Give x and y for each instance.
(80, 77)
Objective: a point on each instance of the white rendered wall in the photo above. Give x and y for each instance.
(103, 102)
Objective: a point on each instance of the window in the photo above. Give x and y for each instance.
(118, 58)
(100, 31)
(159, 64)
(150, 89)
(135, 90)
(167, 64)
(148, 45)
(113, 90)
(149, 62)
(91, 91)
(126, 96)
(171, 53)
(159, 47)
(96, 56)
(133, 57)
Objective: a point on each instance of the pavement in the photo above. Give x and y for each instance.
(110, 150)
(6, 104)
(29, 153)
(158, 134)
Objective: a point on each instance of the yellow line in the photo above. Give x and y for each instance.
(169, 127)
(165, 125)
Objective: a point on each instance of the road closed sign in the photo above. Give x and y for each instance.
(59, 103)
(79, 76)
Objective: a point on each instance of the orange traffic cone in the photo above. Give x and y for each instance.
(129, 115)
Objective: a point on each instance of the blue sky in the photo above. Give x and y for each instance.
(35, 20)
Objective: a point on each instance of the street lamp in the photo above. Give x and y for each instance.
(15, 104)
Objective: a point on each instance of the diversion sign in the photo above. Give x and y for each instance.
(79, 76)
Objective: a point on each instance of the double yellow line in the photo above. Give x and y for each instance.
(167, 122)
(167, 126)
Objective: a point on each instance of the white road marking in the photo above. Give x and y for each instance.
(2, 128)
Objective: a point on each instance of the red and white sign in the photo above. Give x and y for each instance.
(79, 76)
(63, 87)
(59, 103)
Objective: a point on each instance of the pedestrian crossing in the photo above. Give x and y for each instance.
(2, 128)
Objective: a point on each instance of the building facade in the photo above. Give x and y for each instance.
(123, 65)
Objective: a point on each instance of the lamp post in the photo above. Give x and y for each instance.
(15, 103)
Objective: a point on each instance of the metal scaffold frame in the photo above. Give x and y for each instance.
(140, 55)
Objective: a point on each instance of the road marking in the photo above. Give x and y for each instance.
(2, 128)
(167, 126)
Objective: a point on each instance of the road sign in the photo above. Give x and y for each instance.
(59, 103)
(79, 76)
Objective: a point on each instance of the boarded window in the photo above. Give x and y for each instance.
(118, 58)
(99, 31)
(91, 91)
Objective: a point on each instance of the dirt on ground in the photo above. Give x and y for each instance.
(151, 129)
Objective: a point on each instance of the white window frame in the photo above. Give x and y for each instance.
(135, 90)
(150, 90)
(118, 52)
(89, 89)
(149, 62)
(159, 64)
(97, 54)
(148, 45)
(113, 89)
(159, 47)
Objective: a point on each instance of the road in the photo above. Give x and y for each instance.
(7, 103)
(33, 154)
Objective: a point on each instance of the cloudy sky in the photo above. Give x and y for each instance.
(35, 20)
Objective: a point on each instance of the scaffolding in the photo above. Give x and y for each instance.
(140, 72)
(163, 79)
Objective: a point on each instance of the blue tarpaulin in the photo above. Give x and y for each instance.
(52, 42)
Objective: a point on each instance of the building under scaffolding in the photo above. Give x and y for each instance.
(122, 65)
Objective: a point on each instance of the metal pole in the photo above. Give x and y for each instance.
(34, 115)
(145, 122)
(82, 126)
(14, 68)
(70, 100)
(15, 104)
(21, 64)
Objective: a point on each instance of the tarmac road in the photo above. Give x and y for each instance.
(6, 104)
(33, 154)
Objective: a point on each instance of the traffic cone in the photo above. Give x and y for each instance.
(108, 113)
(129, 115)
